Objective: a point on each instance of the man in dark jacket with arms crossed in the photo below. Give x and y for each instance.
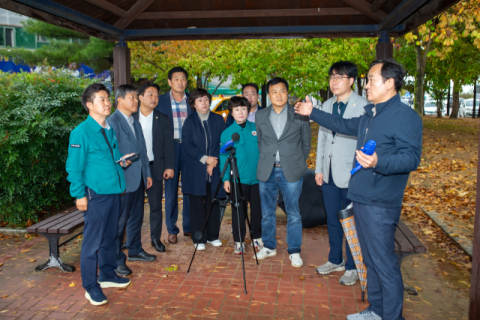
(377, 189)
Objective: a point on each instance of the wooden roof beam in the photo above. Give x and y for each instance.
(365, 7)
(248, 13)
(377, 4)
(105, 5)
(133, 13)
(401, 12)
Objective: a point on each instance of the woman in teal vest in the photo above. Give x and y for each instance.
(247, 158)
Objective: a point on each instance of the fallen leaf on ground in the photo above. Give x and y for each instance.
(302, 278)
(3, 311)
(418, 288)
(26, 250)
(73, 284)
(280, 275)
(32, 260)
(319, 285)
(4, 296)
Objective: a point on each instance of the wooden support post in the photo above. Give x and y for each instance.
(384, 47)
(474, 311)
(121, 63)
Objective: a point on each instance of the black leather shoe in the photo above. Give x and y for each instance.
(124, 246)
(142, 256)
(123, 270)
(158, 245)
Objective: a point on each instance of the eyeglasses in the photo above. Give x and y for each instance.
(337, 78)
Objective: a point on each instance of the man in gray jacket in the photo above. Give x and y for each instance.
(335, 156)
(284, 141)
(137, 178)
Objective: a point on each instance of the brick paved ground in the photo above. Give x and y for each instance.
(213, 289)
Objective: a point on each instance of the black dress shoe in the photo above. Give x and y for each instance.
(142, 256)
(158, 245)
(123, 270)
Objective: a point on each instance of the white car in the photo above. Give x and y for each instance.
(430, 108)
(469, 107)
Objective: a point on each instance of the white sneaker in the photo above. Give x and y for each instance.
(297, 261)
(215, 243)
(200, 246)
(265, 253)
(329, 267)
(258, 243)
(349, 278)
(364, 315)
(239, 248)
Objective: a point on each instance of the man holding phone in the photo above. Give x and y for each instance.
(97, 183)
(137, 178)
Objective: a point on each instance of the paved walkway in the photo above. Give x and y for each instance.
(213, 289)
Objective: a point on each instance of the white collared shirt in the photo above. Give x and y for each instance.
(147, 128)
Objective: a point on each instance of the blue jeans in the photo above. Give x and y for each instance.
(376, 233)
(335, 199)
(291, 194)
(171, 197)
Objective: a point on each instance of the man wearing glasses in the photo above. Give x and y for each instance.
(335, 156)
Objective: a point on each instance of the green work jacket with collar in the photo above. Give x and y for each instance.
(246, 152)
(90, 162)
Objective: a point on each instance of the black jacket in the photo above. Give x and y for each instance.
(397, 130)
(163, 148)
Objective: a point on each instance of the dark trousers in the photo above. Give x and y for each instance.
(335, 199)
(199, 209)
(99, 233)
(155, 194)
(252, 195)
(376, 233)
(171, 197)
(131, 219)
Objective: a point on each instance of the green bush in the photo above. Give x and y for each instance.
(37, 114)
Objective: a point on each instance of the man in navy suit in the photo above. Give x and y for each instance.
(175, 105)
(137, 177)
(158, 133)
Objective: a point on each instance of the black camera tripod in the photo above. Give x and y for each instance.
(235, 202)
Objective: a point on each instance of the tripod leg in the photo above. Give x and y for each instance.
(248, 220)
(238, 188)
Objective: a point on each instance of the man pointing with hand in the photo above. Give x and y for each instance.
(377, 189)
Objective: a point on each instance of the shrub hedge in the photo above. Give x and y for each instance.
(37, 113)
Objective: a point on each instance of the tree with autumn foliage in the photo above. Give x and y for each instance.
(303, 63)
(452, 32)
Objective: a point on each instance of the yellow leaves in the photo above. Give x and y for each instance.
(418, 288)
(173, 267)
(319, 285)
(73, 284)
(26, 250)
(302, 278)
(4, 296)
(31, 260)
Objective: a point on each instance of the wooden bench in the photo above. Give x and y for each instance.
(407, 243)
(53, 229)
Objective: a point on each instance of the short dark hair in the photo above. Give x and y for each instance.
(176, 69)
(145, 86)
(344, 68)
(122, 91)
(249, 85)
(198, 93)
(391, 69)
(275, 81)
(89, 93)
(237, 101)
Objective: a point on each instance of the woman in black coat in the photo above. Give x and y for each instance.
(201, 133)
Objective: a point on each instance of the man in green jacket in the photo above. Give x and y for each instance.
(247, 158)
(97, 183)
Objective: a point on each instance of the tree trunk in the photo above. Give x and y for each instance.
(421, 62)
(456, 100)
(448, 98)
(474, 97)
(359, 86)
(199, 81)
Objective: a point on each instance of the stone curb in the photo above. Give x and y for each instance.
(467, 246)
(13, 231)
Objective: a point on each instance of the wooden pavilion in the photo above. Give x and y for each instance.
(135, 20)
